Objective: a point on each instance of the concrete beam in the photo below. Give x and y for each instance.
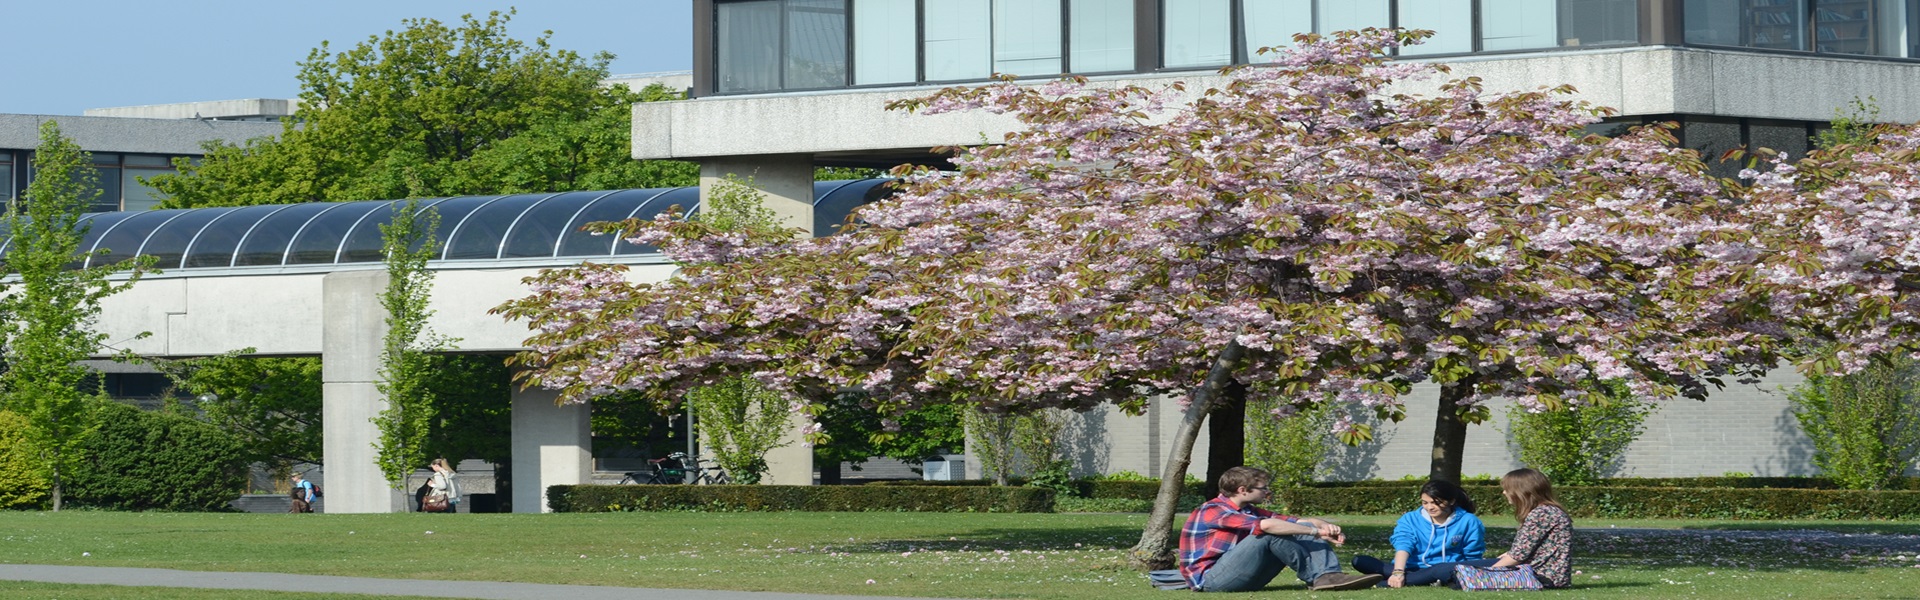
(552, 445)
(349, 369)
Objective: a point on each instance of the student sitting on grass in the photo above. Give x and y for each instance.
(1231, 545)
(1428, 541)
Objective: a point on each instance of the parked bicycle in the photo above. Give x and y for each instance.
(671, 469)
(713, 475)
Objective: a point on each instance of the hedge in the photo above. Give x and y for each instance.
(1626, 502)
(23, 484)
(141, 460)
(854, 498)
(1812, 483)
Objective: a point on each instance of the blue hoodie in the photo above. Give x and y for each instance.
(1462, 537)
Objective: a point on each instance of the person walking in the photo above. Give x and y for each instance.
(442, 492)
(1231, 545)
(302, 494)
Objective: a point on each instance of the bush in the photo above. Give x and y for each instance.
(22, 482)
(1627, 502)
(832, 498)
(1865, 426)
(141, 460)
(1576, 445)
(1293, 448)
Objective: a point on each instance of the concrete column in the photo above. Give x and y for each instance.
(350, 340)
(787, 180)
(552, 445)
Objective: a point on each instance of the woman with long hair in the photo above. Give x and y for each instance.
(1545, 539)
(441, 486)
(1430, 540)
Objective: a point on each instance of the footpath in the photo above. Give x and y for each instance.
(328, 584)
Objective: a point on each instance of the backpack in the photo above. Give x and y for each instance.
(316, 490)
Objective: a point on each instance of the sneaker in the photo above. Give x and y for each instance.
(1335, 582)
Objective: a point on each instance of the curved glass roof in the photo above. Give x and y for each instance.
(472, 228)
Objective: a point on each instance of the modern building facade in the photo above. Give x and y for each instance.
(780, 86)
(125, 150)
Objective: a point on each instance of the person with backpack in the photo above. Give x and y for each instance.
(303, 493)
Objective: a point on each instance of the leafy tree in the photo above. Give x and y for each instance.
(53, 308)
(271, 405)
(1289, 442)
(856, 431)
(1299, 230)
(406, 361)
(992, 436)
(433, 110)
(1865, 426)
(740, 421)
(1578, 445)
(23, 483)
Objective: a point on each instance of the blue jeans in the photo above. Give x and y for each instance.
(1255, 561)
(1437, 573)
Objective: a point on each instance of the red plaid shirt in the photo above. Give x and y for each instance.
(1212, 529)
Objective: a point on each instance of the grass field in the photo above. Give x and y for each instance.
(1064, 556)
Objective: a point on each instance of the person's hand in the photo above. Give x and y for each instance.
(1397, 580)
(1330, 532)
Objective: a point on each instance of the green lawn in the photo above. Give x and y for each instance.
(1066, 556)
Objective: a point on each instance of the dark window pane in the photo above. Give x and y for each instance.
(98, 226)
(1026, 37)
(168, 244)
(1783, 136)
(1713, 138)
(108, 182)
(319, 241)
(836, 200)
(1598, 22)
(747, 46)
(267, 243)
(539, 229)
(6, 182)
(883, 45)
(140, 196)
(1772, 24)
(103, 158)
(365, 244)
(959, 40)
(613, 207)
(1197, 34)
(816, 44)
(215, 246)
(1102, 36)
(480, 234)
(149, 160)
(125, 238)
(686, 198)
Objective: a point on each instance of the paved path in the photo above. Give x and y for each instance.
(281, 582)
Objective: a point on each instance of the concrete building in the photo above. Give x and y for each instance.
(124, 150)
(781, 86)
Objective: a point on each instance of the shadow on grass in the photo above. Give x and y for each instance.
(1847, 528)
(1011, 540)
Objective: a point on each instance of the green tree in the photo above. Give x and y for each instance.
(271, 405)
(53, 308)
(22, 481)
(1865, 426)
(433, 110)
(857, 431)
(1579, 445)
(992, 442)
(406, 361)
(1293, 448)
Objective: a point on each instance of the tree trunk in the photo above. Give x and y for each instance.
(1449, 432)
(1226, 436)
(56, 488)
(1157, 542)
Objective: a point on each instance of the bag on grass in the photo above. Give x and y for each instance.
(1169, 579)
(1478, 579)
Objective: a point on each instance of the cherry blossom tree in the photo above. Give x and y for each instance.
(1301, 230)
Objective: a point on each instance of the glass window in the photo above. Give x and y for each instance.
(1772, 24)
(6, 182)
(148, 160)
(140, 196)
(883, 45)
(539, 228)
(127, 236)
(1271, 24)
(685, 198)
(1339, 15)
(214, 246)
(1196, 34)
(746, 45)
(168, 244)
(612, 207)
(1450, 20)
(319, 241)
(816, 44)
(1518, 24)
(267, 243)
(101, 158)
(1101, 35)
(1870, 27)
(1026, 37)
(109, 185)
(958, 44)
(480, 235)
(1597, 22)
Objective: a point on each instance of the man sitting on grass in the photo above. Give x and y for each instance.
(1230, 545)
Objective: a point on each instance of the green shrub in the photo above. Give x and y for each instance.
(1865, 426)
(828, 498)
(1628, 502)
(1579, 445)
(141, 460)
(1294, 448)
(22, 482)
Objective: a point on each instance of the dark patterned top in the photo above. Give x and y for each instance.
(1545, 541)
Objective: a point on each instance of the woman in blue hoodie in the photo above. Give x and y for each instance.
(1428, 541)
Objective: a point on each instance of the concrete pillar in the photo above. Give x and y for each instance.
(350, 341)
(787, 180)
(552, 445)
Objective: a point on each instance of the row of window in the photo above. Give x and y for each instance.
(786, 45)
(118, 178)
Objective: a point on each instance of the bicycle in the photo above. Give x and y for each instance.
(703, 474)
(669, 470)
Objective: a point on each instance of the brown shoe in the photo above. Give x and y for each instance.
(1335, 582)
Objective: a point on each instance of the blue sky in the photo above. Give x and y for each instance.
(63, 57)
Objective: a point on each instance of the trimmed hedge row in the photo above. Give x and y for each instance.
(853, 498)
(1627, 502)
(1808, 483)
